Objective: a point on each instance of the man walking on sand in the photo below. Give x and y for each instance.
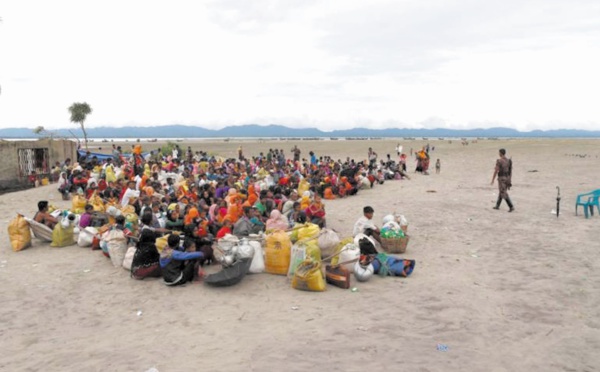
(504, 172)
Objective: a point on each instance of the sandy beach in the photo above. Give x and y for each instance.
(491, 290)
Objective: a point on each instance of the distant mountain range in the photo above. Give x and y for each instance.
(258, 131)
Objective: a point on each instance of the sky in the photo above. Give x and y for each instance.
(302, 63)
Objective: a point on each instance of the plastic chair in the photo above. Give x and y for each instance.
(594, 201)
(588, 201)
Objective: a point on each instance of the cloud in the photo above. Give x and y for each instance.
(331, 64)
(405, 38)
(255, 16)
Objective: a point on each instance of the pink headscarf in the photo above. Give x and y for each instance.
(277, 221)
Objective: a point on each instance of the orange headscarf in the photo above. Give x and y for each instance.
(252, 197)
(191, 215)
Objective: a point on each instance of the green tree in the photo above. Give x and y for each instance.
(79, 112)
(39, 130)
(43, 132)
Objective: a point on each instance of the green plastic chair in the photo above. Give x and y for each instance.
(588, 201)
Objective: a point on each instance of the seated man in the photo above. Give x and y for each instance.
(245, 225)
(365, 225)
(42, 216)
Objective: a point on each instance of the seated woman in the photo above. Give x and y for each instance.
(316, 211)
(86, 218)
(42, 216)
(277, 221)
(178, 267)
(145, 262)
(174, 221)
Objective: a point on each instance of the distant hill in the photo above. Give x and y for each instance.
(257, 131)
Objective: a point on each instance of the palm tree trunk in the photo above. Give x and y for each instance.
(84, 136)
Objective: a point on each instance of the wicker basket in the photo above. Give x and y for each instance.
(394, 245)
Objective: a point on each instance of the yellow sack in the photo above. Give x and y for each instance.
(277, 253)
(338, 249)
(79, 203)
(308, 231)
(301, 251)
(19, 233)
(312, 249)
(309, 277)
(294, 233)
(62, 236)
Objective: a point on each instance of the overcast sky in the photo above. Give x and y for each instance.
(302, 63)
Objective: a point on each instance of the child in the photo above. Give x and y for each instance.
(438, 166)
(178, 267)
(64, 186)
(226, 229)
(33, 181)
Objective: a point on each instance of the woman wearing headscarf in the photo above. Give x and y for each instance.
(145, 262)
(206, 200)
(174, 222)
(277, 221)
(252, 197)
(191, 215)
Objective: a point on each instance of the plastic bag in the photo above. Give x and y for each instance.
(338, 249)
(19, 233)
(309, 277)
(312, 249)
(86, 236)
(258, 261)
(328, 241)
(245, 250)
(308, 231)
(225, 244)
(62, 236)
(128, 260)
(297, 256)
(277, 253)
(116, 243)
(349, 254)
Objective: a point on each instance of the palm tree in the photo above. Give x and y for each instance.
(79, 112)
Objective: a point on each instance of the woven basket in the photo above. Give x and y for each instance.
(394, 245)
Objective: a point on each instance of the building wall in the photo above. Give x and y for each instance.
(58, 150)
